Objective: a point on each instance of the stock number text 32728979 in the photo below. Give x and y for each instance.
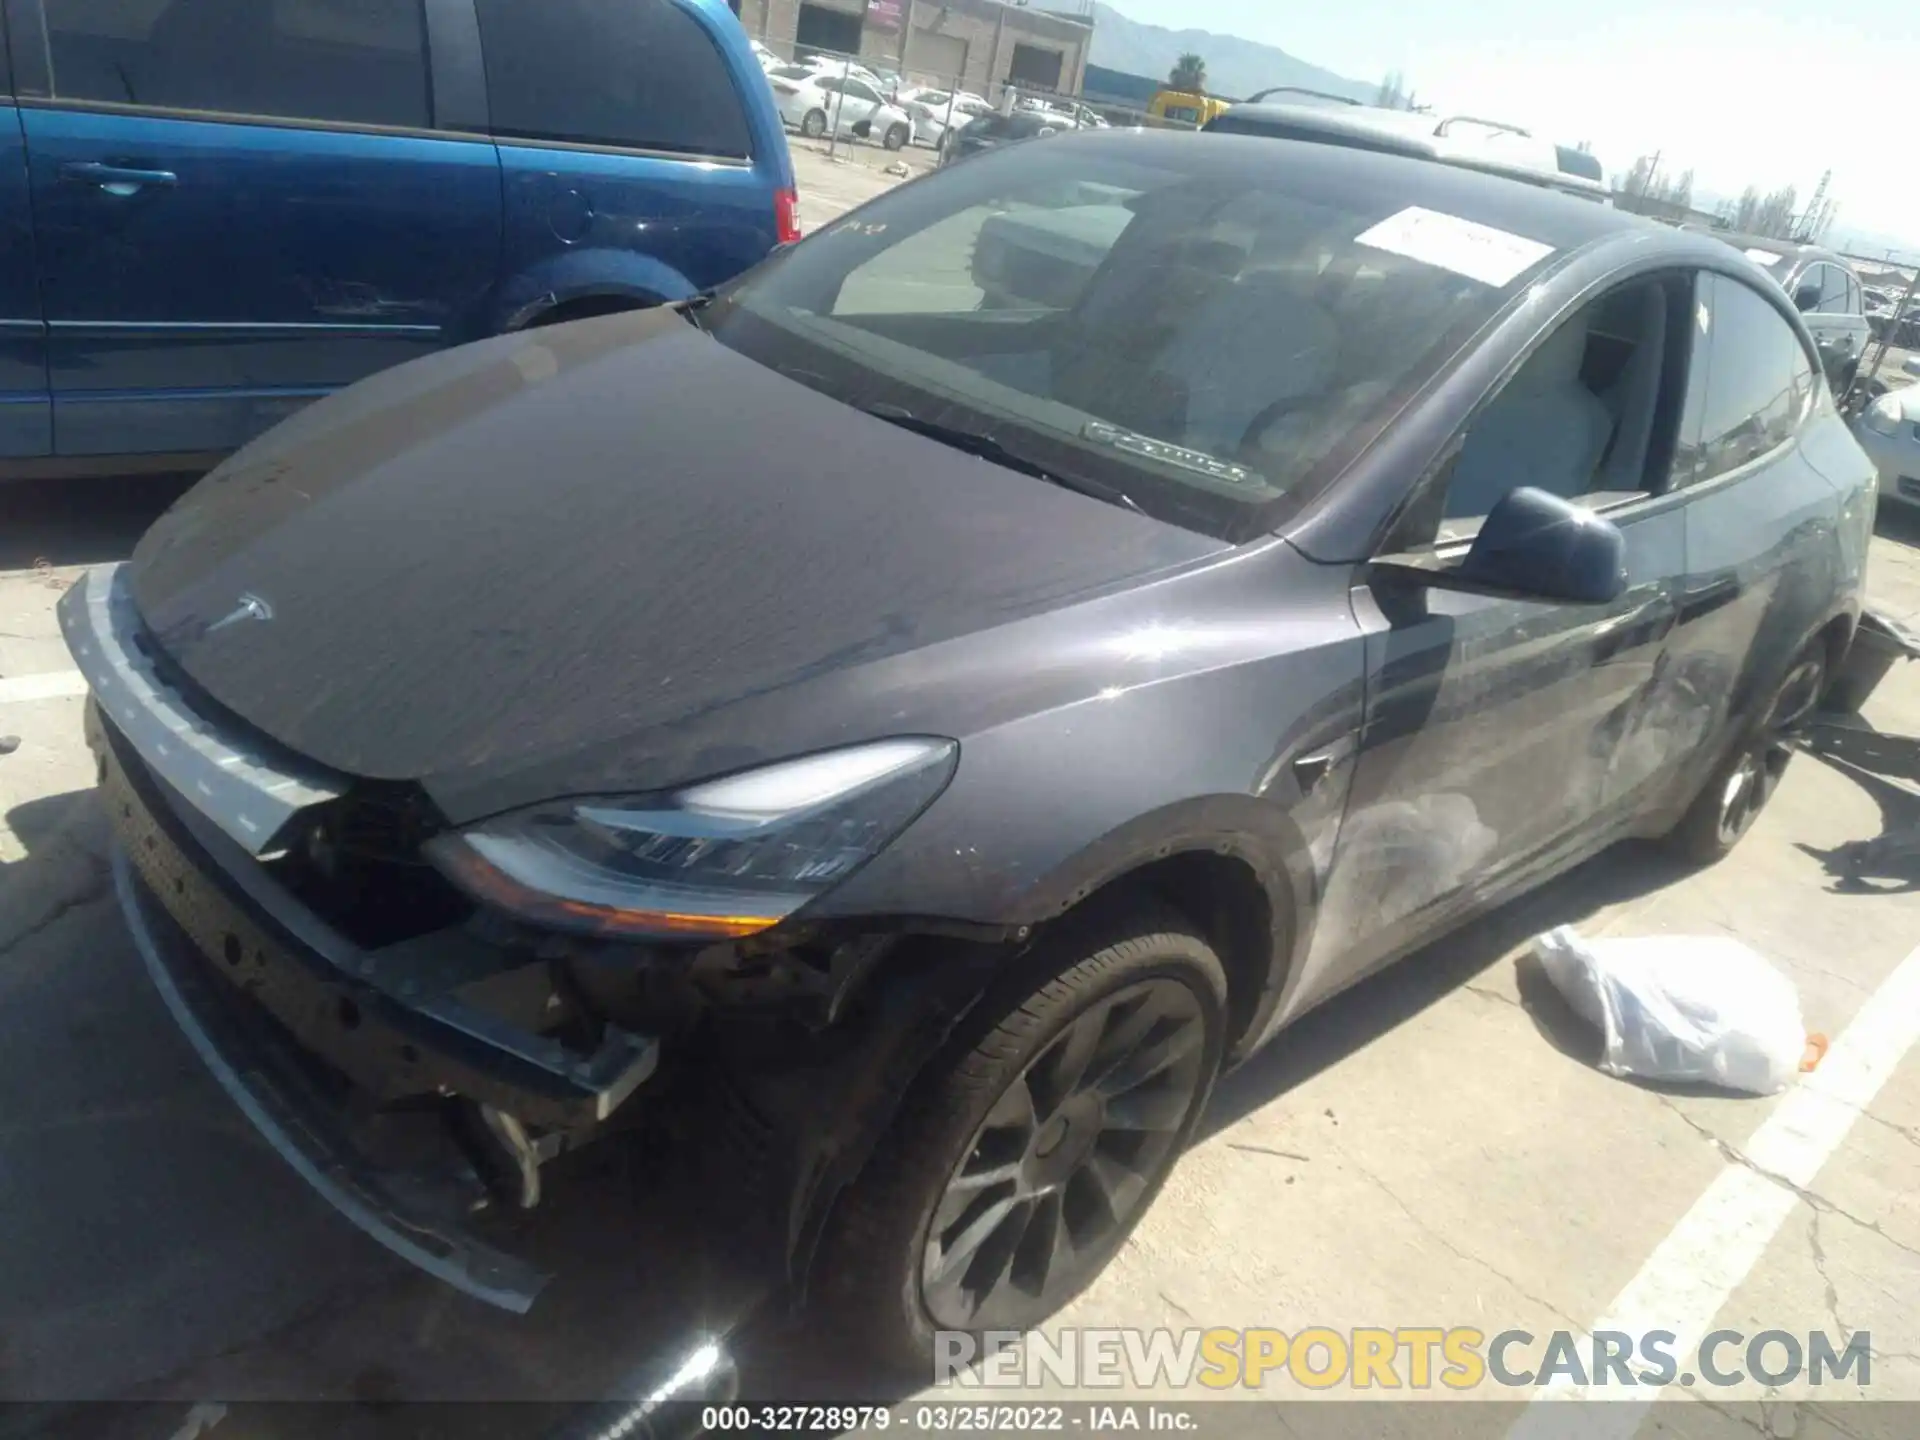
(841, 1419)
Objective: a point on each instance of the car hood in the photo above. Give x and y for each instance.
(581, 542)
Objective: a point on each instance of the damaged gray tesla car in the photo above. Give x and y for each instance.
(910, 719)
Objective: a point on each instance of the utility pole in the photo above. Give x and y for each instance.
(1894, 322)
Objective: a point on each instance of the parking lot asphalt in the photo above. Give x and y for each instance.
(1434, 1148)
(853, 173)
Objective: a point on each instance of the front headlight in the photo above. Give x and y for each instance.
(717, 860)
(1885, 415)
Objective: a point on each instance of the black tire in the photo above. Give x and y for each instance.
(813, 124)
(1743, 782)
(1144, 969)
(897, 137)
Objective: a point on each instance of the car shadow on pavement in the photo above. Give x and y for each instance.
(82, 522)
(1887, 768)
(1899, 523)
(1389, 999)
(61, 866)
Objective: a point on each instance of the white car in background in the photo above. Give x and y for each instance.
(842, 66)
(813, 104)
(933, 110)
(1889, 431)
(765, 56)
(1080, 117)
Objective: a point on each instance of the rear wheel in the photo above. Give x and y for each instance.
(1739, 789)
(896, 137)
(813, 124)
(1029, 1152)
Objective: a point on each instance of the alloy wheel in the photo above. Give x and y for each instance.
(1753, 780)
(1065, 1160)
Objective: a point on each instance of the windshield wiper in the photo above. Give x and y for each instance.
(986, 447)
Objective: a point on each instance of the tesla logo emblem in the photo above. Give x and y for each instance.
(251, 607)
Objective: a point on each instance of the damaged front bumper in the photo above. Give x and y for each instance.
(420, 1214)
(374, 1072)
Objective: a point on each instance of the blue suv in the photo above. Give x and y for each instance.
(215, 211)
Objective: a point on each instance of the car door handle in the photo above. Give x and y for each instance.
(118, 178)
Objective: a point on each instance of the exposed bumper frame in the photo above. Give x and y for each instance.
(300, 1127)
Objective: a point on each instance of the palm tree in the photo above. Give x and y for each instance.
(1189, 74)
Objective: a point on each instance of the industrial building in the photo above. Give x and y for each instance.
(980, 44)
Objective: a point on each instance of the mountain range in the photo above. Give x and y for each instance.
(1235, 68)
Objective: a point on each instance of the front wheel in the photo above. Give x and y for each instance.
(1740, 788)
(813, 124)
(896, 137)
(1028, 1152)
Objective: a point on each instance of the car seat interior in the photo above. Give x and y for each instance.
(1580, 416)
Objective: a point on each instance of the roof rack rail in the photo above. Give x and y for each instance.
(1447, 124)
(1301, 90)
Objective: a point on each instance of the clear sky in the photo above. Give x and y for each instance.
(1765, 92)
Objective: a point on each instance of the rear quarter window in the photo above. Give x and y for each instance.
(636, 74)
(1749, 384)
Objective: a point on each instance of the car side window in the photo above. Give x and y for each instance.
(1833, 292)
(1587, 415)
(1854, 305)
(1758, 378)
(1809, 289)
(641, 74)
(355, 62)
(858, 90)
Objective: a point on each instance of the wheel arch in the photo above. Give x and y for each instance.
(1219, 891)
(580, 307)
(1221, 885)
(1837, 636)
(1236, 866)
(601, 277)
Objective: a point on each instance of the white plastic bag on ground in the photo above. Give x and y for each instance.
(1697, 1007)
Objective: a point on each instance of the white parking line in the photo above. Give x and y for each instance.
(50, 686)
(1689, 1277)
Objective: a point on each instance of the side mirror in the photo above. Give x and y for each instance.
(1533, 546)
(1538, 545)
(1807, 299)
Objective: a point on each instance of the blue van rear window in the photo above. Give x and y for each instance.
(641, 74)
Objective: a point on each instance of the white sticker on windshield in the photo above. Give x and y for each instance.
(1480, 252)
(1763, 257)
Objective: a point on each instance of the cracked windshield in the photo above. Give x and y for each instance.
(991, 716)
